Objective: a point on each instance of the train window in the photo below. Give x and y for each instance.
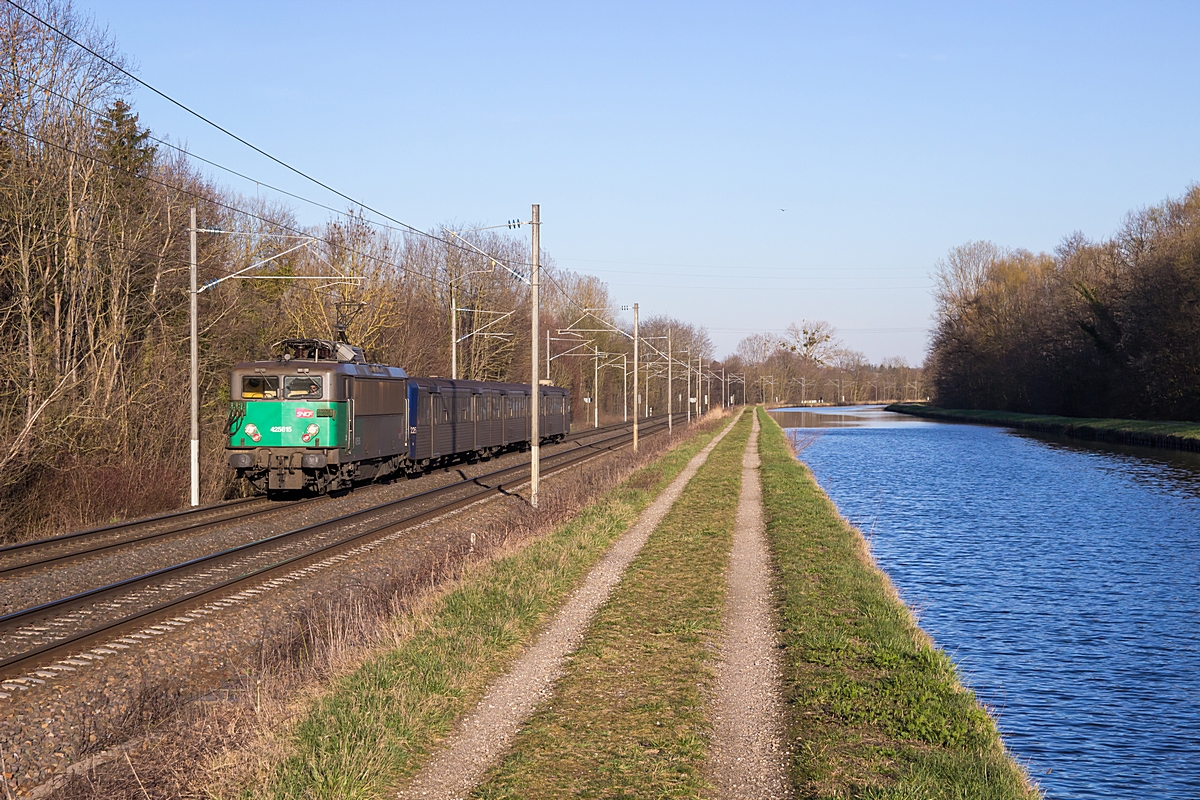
(260, 387)
(483, 407)
(441, 414)
(463, 405)
(304, 387)
(347, 387)
(423, 403)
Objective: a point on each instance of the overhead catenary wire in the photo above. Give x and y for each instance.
(189, 154)
(404, 225)
(205, 199)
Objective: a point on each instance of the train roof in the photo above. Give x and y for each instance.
(512, 388)
(341, 357)
(293, 364)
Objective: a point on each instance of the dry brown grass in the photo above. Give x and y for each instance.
(78, 493)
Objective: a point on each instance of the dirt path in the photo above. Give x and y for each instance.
(487, 732)
(748, 759)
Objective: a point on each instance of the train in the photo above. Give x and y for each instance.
(319, 418)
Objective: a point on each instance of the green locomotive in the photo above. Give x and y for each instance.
(320, 418)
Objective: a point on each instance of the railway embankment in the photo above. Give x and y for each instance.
(1148, 433)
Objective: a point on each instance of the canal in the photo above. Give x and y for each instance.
(1063, 577)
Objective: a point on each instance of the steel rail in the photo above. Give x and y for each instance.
(266, 508)
(49, 650)
(29, 566)
(130, 525)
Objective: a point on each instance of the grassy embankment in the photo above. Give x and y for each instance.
(377, 725)
(1176, 435)
(875, 710)
(628, 718)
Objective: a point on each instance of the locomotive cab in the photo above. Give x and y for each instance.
(292, 421)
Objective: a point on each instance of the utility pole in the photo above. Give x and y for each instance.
(453, 334)
(723, 389)
(596, 387)
(547, 354)
(625, 386)
(535, 366)
(670, 390)
(646, 398)
(688, 399)
(195, 369)
(635, 375)
(708, 389)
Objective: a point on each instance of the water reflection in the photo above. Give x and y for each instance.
(843, 417)
(1062, 575)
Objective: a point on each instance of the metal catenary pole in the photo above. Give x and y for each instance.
(670, 389)
(195, 350)
(688, 399)
(596, 387)
(635, 375)
(535, 365)
(453, 334)
(625, 385)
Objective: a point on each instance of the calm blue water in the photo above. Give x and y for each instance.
(1063, 578)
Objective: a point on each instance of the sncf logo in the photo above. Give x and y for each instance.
(305, 413)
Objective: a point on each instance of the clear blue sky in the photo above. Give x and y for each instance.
(663, 140)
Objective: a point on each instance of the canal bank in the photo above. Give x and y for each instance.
(1146, 433)
(1061, 575)
(874, 708)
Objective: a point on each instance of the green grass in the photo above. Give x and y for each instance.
(1155, 433)
(628, 718)
(378, 724)
(874, 710)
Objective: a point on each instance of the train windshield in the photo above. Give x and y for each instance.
(302, 388)
(260, 387)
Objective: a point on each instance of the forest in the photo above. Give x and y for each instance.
(1105, 328)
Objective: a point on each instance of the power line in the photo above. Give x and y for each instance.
(770, 288)
(103, 115)
(89, 240)
(206, 120)
(706, 266)
(219, 204)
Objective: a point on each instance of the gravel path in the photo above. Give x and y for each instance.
(486, 733)
(748, 760)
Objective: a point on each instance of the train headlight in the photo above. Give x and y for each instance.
(252, 431)
(312, 430)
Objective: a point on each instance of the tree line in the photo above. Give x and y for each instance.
(808, 364)
(1106, 328)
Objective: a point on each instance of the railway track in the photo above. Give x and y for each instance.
(46, 553)
(32, 638)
